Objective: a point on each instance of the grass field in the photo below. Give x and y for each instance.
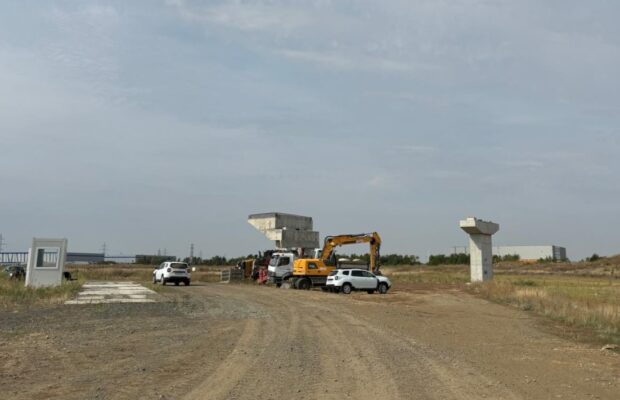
(583, 295)
(14, 295)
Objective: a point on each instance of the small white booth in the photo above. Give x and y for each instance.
(46, 262)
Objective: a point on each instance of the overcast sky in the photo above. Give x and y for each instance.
(150, 125)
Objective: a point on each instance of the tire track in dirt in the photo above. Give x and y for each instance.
(226, 375)
(349, 362)
(313, 345)
(449, 378)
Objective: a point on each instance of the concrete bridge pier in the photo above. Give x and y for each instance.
(480, 247)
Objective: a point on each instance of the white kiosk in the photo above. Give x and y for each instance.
(46, 262)
(480, 247)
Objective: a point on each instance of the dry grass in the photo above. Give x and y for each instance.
(137, 273)
(584, 295)
(575, 301)
(13, 294)
(444, 275)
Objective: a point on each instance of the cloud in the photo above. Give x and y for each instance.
(247, 17)
(340, 61)
(414, 149)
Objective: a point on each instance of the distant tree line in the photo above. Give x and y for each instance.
(506, 257)
(452, 259)
(386, 259)
(218, 260)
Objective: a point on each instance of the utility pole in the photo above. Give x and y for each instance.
(191, 253)
(104, 248)
(1, 243)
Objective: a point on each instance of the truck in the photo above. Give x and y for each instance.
(281, 264)
(281, 267)
(310, 272)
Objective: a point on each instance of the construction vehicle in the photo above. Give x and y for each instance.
(309, 272)
(246, 266)
(281, 266)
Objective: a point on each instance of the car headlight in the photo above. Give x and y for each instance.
(336, 277)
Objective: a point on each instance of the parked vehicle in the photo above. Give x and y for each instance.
(281, 267)
(348, 280)
(16, 272)
(309, 272)
(173, 272)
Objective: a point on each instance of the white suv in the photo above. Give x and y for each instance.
(347, 280)
(171, 271)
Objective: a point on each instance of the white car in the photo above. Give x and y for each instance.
(347, 280)
(170, 271)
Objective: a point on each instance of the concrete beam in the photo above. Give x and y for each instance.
(286, 230)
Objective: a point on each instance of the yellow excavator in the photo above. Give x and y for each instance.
(309, 272)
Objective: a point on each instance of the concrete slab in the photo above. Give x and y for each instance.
(114, 292)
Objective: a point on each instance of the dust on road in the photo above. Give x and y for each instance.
(246, 342)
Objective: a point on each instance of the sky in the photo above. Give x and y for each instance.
(151, 125)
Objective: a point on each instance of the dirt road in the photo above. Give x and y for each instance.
(245, 342)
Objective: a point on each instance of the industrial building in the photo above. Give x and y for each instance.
(21, 257)
(85, 258)
(532, 253)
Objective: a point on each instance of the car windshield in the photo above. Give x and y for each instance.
(274, 261)
(333, 273)
(179, 265)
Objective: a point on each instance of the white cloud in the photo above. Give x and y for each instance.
(244, 16)
(340, 61)
(414, 149)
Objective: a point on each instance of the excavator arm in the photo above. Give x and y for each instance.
(331, 242)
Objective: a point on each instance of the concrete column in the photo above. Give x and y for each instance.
(480, 247)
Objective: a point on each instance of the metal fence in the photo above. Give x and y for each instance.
(231, 275)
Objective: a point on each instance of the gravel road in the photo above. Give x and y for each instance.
(216, 341)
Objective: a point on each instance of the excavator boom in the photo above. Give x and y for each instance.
(331, 242)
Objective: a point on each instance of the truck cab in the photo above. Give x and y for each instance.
(281, 267)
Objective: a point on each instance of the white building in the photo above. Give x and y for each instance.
(532, 253)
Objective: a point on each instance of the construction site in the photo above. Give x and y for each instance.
(298, 322)
(309, 200)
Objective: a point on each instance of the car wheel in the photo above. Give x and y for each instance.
(304, 284)
(371, 291)
(154, 279)
(347, 288)
(163, 281)
(176, 283)
(187, 282)
(383, 288)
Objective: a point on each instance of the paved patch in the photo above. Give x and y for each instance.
(114, 292)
